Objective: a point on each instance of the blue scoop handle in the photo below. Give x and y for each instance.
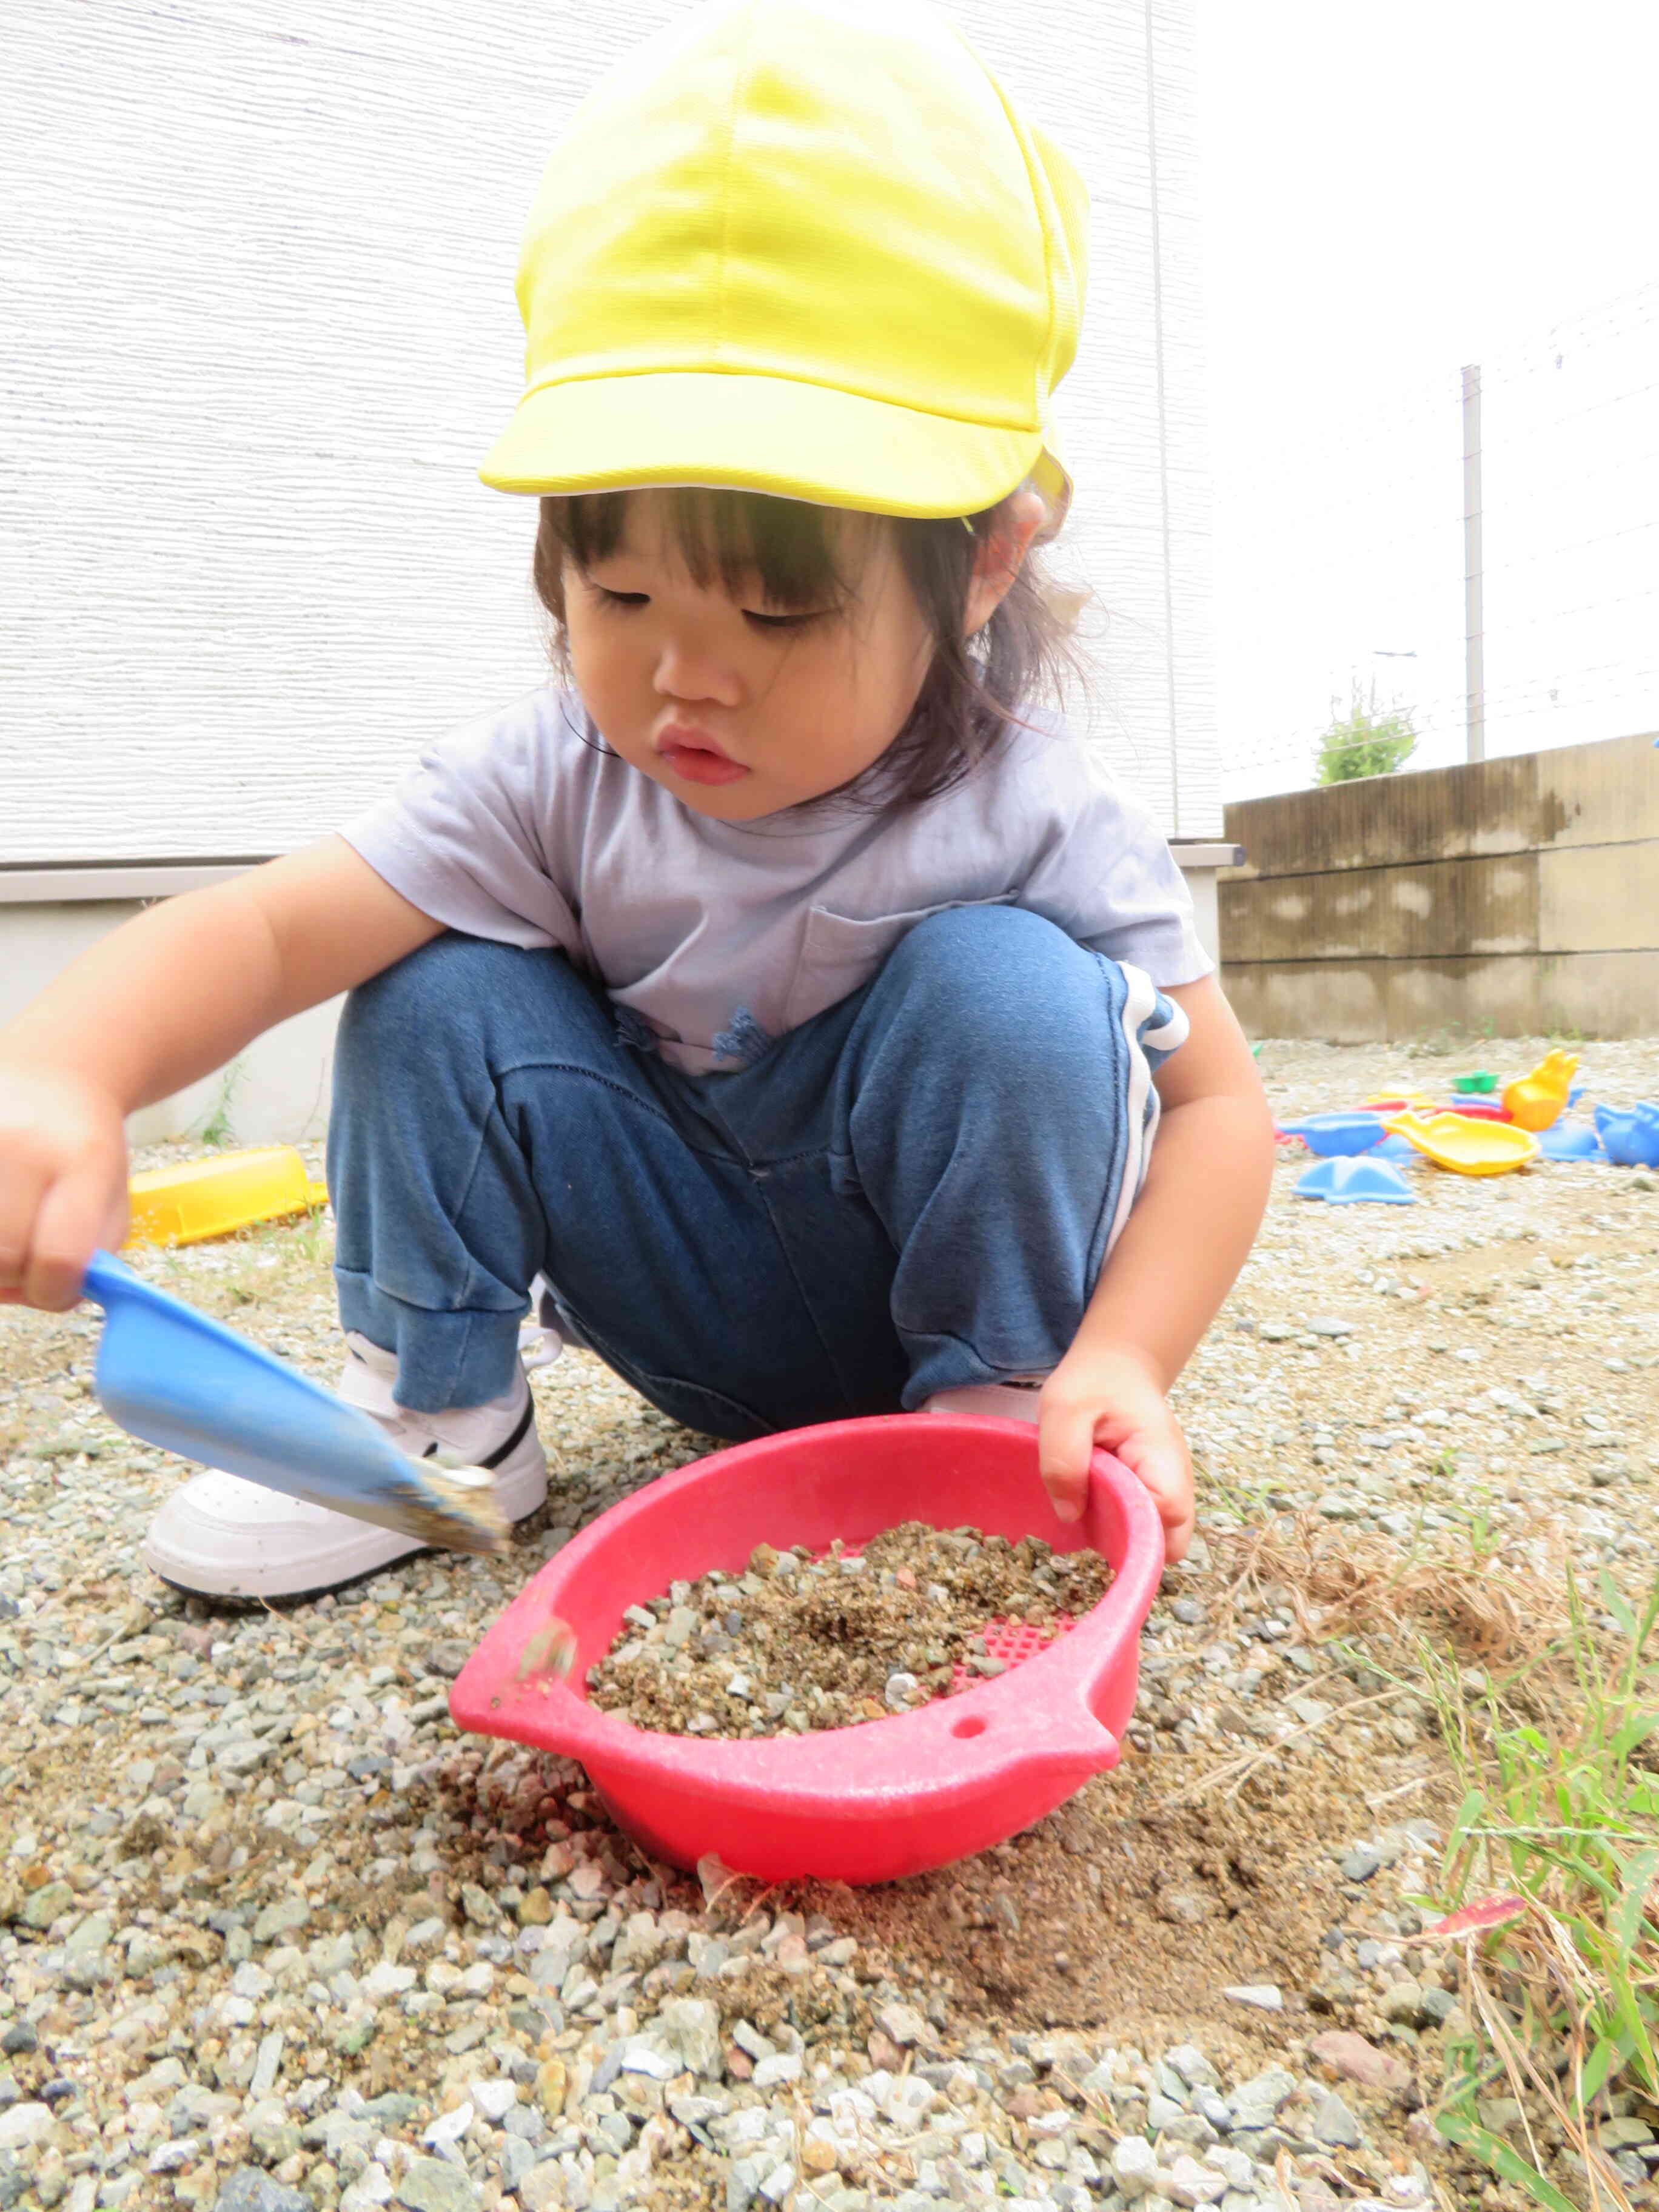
(173, 1378)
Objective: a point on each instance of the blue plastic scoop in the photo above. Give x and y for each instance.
(172, 1377)
(1337, 1135)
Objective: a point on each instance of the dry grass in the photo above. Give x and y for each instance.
(1336, 1580)
(1541, 1977)
(1555, 1847)
(1557, 1843)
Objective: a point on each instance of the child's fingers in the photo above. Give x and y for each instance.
(22, 1187)
(1066, 1440)
(75, 1213)
(1166, 1472)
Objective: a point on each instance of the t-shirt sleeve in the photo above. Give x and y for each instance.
(1103, 871)
(471, 835)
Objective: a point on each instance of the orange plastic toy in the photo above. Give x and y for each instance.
(1467, 1146)
(1536, 1101)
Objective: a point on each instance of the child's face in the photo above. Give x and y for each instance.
(738, 708)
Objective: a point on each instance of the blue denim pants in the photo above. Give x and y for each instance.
(915, 1190)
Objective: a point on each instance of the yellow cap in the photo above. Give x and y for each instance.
(805, 247)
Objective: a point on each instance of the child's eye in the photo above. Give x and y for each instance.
(787, 621)
(624, 601)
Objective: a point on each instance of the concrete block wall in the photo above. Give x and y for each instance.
(1522, 892)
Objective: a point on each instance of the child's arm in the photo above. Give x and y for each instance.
(1190, 1233)
(166, 999)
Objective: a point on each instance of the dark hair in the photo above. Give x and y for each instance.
(975, 688)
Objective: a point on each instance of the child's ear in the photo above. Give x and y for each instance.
(1001, 550)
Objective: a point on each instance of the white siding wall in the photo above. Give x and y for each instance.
(258, 331)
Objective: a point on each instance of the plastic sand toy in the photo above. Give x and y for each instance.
(173, 1378)
(1630, 1140)
(1481, 1079)
(1540, 1098)
(1466, 1145)
(189, 1203)
(1346, 1181)
(1399, 1102)
(888, 1797)
(1477, 1109)
(1333, 1135)
(1571, 1141)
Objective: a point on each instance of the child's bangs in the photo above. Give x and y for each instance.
(743, 541)
(802, 559)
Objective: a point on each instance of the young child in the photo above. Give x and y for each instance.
(788, 991)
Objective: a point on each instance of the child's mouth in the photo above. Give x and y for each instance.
(699, 763)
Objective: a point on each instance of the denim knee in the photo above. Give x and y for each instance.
(389, 1019)
(997, 978)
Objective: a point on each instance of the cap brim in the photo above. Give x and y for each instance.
(806, 441)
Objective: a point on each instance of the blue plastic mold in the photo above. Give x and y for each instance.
(1337, 1135)
(1630, 1140)
(1394, 1147)
(1344, 1182)
(1571, 1140)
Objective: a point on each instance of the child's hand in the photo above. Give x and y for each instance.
(1112, 1399)
(62, 1184)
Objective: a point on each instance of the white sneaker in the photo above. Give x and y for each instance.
(548, 1329)
(220, 1536)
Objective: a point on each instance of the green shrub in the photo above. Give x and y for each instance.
(1362, 742)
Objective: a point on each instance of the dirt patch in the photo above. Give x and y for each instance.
(1446, 1272)
(800, 1643)
(1122, 1913)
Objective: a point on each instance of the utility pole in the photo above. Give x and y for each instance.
(1475, 672)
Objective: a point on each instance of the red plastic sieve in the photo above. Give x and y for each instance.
(888, 1797)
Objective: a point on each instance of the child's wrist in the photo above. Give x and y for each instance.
(1104, 1349)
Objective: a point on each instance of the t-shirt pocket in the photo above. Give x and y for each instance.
(840, 953)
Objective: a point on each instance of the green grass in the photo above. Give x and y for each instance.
(1561, 1810)
(270, 1261)
(216, 1130)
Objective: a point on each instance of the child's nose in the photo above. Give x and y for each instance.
(688, 668)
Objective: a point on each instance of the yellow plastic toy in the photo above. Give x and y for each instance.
(1468, 1147)
(1536, 1101)
(200, 1199)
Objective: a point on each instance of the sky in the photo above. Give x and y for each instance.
(1387, 194)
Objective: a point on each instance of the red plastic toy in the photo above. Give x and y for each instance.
(888, 1797)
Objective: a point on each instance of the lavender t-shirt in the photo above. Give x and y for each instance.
(719, 936)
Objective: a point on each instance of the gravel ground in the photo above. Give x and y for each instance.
(274, 1936)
